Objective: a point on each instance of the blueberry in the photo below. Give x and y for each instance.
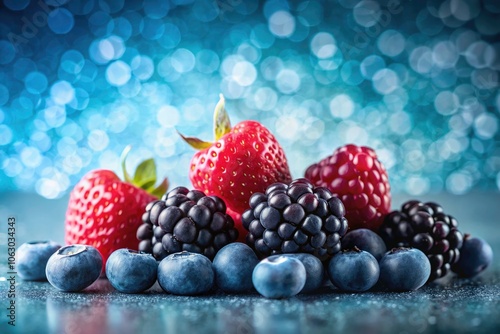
(130, 271)
(314, 270)
(233, 266)
(32, 258)
(353, 270)
(404, 269)
(186, 274)
(279, 277)
(74, 268)
(366, 240)
(475, 256)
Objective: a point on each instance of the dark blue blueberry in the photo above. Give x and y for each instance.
(315, 271)
(270, 218)
(336, 207)
(366, 240)
(353, 270)
(233, 266)
(169, 217)
(294, 213)
(256, 199)
(129, 271)
(279, 277)
(279, 201)
(32, 257)
(404, 269)
(186, 274)
(475, 256)
(200, 215)
(312, 224)
(74, 268)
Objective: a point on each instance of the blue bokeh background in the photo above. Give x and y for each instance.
(415, 80)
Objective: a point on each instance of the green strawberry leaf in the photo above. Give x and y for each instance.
(222, 124)
(195, 143)
(161, 189)
(145, 174)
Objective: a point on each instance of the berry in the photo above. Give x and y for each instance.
(74, 268)
(404, 269)
(105, 212)
(186, 274)
(233, 266)
(425, 226)
(32, 257)
(243, 160)
(185, 220)
(475, 256)
(315, 272)
(353, 270)
(366, 240)
(279, 277)
(130, 271)
(355, 175)
(295, 218)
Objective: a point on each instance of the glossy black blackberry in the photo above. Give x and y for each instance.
(186, 220)
(295, 218)
(425, 226)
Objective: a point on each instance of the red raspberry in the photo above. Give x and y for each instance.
(355, 175)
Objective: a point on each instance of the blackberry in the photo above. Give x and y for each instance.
(185, 220)
(295, 218)
(425, 226)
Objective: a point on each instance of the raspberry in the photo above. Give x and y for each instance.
(425, 226)
(295, 218)
(186, 220)
(355, 175)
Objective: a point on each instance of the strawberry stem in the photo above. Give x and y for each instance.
(144, 175)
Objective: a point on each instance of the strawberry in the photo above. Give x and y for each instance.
(105, 212)
(242, 160)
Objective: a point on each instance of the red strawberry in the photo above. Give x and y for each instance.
(105, 212)
(359, 179)
(243, 160)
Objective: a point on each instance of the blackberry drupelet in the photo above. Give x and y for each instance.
(295, 218)
(425, 226)
(185, 220)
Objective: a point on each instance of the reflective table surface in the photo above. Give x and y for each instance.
(450, 305)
